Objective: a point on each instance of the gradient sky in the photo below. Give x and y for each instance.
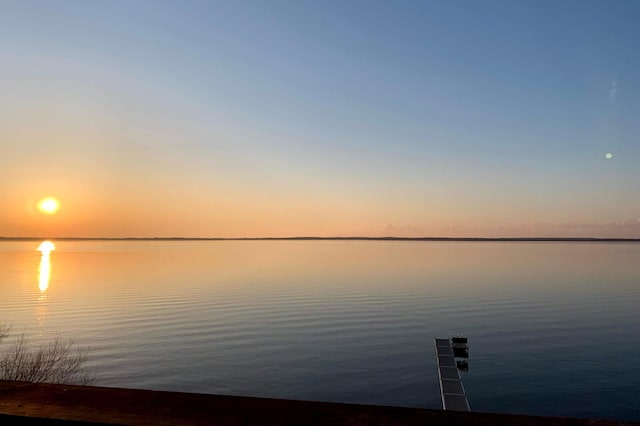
(327, 118)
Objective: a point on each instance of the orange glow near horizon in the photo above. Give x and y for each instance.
(49, 205)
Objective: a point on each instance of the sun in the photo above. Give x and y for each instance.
(49, 205)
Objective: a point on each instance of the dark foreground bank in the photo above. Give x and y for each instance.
(26, 403)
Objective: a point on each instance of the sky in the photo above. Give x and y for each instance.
(320, 118)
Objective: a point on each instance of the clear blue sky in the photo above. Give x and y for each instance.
(277, 118)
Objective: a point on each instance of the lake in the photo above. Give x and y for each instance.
(553, 327)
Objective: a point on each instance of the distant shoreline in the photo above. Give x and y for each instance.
(506, 239)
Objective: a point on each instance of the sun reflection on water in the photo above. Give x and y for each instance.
(44, 271)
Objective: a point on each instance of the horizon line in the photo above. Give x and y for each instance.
(362, 238)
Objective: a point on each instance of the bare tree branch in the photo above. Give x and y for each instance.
(55, 362)
(4, 331)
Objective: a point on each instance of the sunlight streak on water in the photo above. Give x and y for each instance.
(44, 270)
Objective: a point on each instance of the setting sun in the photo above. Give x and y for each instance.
(49, 205)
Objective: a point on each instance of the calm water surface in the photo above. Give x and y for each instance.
(553, 327)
